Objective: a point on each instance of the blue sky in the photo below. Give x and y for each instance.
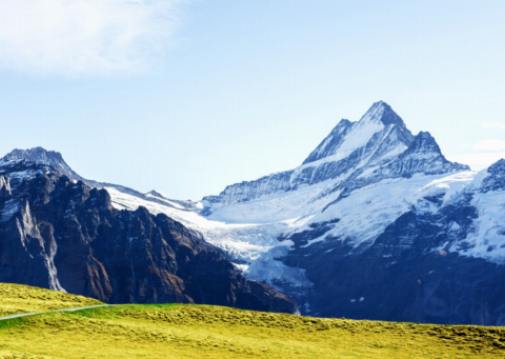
(188, 96)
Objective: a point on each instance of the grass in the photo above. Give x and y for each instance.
(190, 331)
(16, 298)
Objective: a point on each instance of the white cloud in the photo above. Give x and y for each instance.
(478, 160)
(76, 37)
(490, 145)
(484, 154)
(494, 125)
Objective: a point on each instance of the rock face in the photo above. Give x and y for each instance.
(63, 234)
(495, 180)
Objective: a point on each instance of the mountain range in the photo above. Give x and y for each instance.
(376, 223)
(60, 232)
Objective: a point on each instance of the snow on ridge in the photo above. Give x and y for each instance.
(350, 136)
(277, 206)
(378, 137)
(487, 238)
(365, 214)
(250, 231)
(450, 186)
(249, 244)
(359, 135)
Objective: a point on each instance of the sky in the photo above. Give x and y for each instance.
(188, 96)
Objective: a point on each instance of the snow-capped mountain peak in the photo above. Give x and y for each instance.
(355, 154)
(347, 137)
(426, 143)
(35, 154)
(382, 112)
(40, 157)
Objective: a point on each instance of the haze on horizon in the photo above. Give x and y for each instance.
(186, 97)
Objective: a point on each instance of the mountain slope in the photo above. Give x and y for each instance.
(434, 263)
(63, 234)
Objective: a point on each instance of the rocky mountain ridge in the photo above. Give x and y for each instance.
(62, 234)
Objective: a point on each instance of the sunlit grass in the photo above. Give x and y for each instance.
(21, 299)
(190, 331)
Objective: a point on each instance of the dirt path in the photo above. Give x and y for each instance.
(64, 310)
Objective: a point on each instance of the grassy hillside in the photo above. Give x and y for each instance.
(21, 299)
(189, 331)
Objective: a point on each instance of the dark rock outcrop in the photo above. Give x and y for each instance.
(409, 273)
(62, 234)
(495, 180)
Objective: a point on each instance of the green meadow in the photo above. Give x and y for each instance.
(198, 331)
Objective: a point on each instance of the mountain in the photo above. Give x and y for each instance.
(439, 260)
(48, 160)
(376, 223)
(355, 154)
(61, 233)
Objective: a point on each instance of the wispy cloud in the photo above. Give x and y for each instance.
(484, 153)
(76, 37)
(490, 145)
(478, 161)
(494, 125)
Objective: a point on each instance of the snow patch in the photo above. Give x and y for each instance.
(487, 240)
(254, 245)
(361, 132)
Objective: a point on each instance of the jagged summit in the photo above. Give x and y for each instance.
(424, 142)
(424, 150)
(35, 154)
(348, 136)
(40, 156)
(355, 154)
(383, 112)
